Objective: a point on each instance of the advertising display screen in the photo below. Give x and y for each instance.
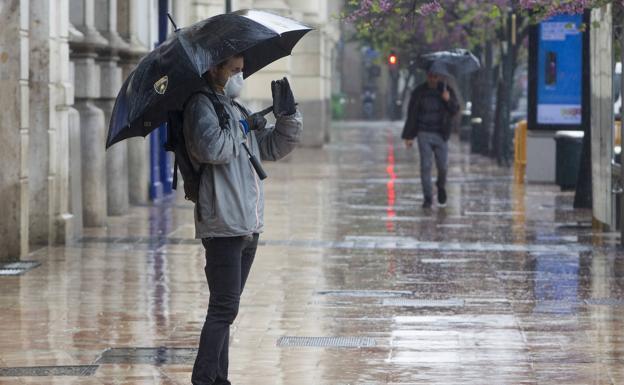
(559, 70)
(556, 73)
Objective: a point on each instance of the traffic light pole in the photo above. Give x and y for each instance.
(394, 112)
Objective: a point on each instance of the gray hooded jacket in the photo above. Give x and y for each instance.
(231, 197)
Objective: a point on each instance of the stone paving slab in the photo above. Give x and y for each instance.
(506, 285)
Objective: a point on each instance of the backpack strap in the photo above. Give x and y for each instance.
(224, 117)
(242, 109)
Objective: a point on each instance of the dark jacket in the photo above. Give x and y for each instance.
(450, 108)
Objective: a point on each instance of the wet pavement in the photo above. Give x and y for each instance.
(353, 284)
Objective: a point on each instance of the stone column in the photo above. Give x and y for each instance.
(50, 97)
(68, 222)
(110, 72)
(202, 9)
(43, 130)
(308, 83)
(14, 123)
(137, 148)
(311, 72)
(74, 198)
(93, 130)
(75, 171)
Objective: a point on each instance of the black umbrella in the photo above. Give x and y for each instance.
(460, 60)
(167, 76)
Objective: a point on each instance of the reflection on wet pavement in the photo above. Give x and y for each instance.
(353, 284)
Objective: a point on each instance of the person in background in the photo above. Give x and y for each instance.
(431, 109)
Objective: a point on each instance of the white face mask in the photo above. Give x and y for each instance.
(234, 86)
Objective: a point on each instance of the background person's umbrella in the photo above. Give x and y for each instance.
(167, 76)
(459, 60)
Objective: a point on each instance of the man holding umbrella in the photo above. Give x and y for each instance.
(196, 73)
(230, 197)
(430, 113)
(431, 108)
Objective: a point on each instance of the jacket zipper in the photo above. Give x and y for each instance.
(257, 190)
(253, 172)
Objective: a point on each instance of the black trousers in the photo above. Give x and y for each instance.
(228, 261)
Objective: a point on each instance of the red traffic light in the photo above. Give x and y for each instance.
(392, 59)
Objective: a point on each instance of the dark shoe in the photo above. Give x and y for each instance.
(427, 203)
(442, 197)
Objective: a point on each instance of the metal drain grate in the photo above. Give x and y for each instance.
(605, 302)
(365, 293)
(326, 342)
(153, 356)
(17, 268)
(45, 371)
(423, 302)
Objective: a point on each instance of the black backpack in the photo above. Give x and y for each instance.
(176, 144)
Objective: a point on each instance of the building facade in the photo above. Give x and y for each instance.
(62, 64)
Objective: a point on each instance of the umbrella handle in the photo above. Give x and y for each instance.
(265, 111)
(269, 109)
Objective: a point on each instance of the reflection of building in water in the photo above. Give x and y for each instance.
(62, 64)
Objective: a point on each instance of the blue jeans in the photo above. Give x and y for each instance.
(228, 261)
(431, 144)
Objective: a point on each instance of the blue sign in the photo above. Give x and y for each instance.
(560, 71)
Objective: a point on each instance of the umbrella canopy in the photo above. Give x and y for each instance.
(167, 76)
(459, 60)
(440, 68)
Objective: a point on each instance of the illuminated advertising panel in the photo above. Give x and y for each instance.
(557, 76)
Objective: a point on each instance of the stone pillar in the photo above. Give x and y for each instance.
(311, 72)
(137, 148)
(51, 95)
(93, 130)
(68, 223)
(203, 9)
(43, 130)
(14, 125)
(74, 199)
(309, 87)
(75, 171)
(182, 13)
(110, 72)
(127, 26)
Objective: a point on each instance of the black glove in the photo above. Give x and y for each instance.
(256, 121)
(283, 99)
